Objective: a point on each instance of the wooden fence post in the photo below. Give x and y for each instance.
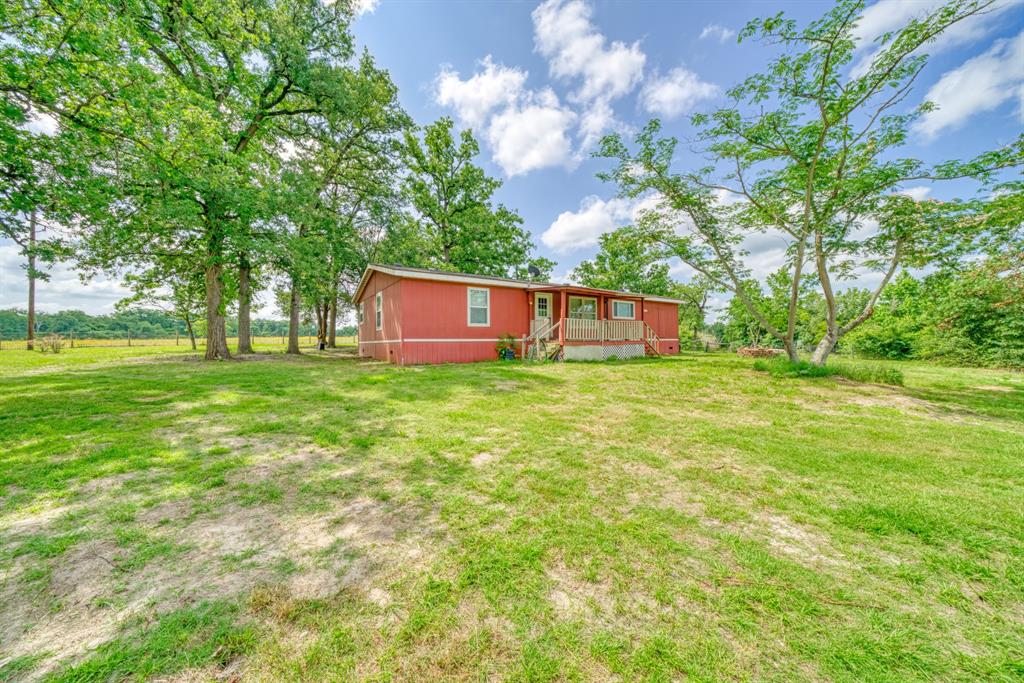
(129, 337)
(72, 339)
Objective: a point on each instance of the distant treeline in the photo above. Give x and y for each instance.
(141, 324)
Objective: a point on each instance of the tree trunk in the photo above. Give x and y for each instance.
(30, 333)
(191, 332)
(332, 332)
(791, 351)
(293, 317)
(244, 308)
(216, 334)
(321, 323)
(824, 348)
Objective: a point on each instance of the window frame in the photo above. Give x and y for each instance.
(631, 316)
(568, 309)
(546, 296)
(470, 306)
(378, 310)
(361, 312)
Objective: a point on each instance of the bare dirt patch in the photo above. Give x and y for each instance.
(801, 543)
(484, 458)
(221, 550)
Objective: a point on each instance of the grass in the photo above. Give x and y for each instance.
(866, 372)
(327, 518)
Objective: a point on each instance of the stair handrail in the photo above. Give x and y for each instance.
(538, 336)
(651, 338)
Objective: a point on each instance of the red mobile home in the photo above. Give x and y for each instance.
(412, 315)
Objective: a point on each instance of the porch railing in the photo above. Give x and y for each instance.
(578, 329)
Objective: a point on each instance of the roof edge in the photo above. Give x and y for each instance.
(442, 276)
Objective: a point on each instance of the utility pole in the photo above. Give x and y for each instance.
(31, 332)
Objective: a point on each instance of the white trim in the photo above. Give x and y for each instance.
(378, 310)
(623, 317)
(361, 313)
(434, 341)
(470, 306)
(486, 340)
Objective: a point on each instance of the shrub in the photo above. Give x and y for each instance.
(867, 373)
(53, 343)
(506, 347)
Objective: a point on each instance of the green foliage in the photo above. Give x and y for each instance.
(140, 322)
(178, 110)
(808, 148)
(857, 372)
(452, 197)
(974, 316)
(627, 262)
(506, 343)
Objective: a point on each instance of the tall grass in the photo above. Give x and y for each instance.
(857, 372)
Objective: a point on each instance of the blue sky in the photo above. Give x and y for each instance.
(539, 82)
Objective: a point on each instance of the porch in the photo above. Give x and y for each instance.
(576, 323)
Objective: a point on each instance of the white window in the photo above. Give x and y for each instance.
(478, 301)
(362, 312)
(378, 304)
(582, 307)
(623, 309)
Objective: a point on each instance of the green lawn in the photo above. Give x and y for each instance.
(325, 518)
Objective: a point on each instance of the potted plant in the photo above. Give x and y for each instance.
(506, 347)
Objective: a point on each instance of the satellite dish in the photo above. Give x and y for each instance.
(534, 271)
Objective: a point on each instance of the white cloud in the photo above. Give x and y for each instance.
(717, 31)
(364, 6)
(980, 84)
(532, 135)
(676, 93)
(475, 98)
(891, 15)
(64, 290)
(917, 193)
(595, 121)
(574, 48)
(595, 217)
(41, 123)
(526, 130)
(580, 229)
(577, 51)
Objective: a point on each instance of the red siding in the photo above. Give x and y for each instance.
(426, 321)
(435, 321)
(638, 308)
(664, 320)
(382, 344)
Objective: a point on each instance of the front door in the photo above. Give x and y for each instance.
(541, 311)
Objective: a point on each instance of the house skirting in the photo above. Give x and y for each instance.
(606, 351)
